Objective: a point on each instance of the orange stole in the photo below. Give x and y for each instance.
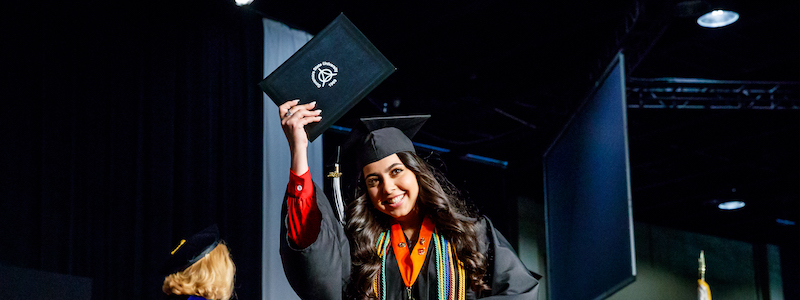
(450, 273)
(410, 263)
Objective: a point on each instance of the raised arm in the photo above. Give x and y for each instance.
(315, 252)
(303, 216)
(294, 118)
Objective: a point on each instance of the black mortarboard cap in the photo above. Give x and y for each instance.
(190, 250)
(336, 68)
(387, 136)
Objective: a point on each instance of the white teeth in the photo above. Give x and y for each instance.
(395, 199)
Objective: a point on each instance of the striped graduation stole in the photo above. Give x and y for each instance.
(450, 274)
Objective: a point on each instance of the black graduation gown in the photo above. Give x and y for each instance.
(322, 270)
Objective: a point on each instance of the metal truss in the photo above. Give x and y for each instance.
(692, 93)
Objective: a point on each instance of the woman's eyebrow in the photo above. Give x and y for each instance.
(388, 169)
(392, 166)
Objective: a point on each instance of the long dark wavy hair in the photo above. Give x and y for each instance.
(437, 199)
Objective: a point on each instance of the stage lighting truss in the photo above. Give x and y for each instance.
(691, 93)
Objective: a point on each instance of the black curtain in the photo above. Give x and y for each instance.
(127, 126)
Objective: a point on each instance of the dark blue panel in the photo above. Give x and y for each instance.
(587, 197)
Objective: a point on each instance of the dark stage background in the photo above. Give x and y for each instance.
(125, 127)
(128, 125)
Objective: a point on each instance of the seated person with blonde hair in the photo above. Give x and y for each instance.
(200, 268)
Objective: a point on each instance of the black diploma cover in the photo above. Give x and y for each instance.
(336, 68)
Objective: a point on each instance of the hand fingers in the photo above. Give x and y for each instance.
(284, 108)
(305, 121)
(286, 105)
(299, 110)
(298, 118)
(298, 114)
(301, 107)
(310, 105)
(309, 114)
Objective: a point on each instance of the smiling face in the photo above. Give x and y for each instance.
(392, 187)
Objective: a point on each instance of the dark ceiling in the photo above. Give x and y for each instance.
(501, 79)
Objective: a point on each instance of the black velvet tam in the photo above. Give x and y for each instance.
(190, 250)
(387, 136)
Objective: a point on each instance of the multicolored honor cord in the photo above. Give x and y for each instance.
(450, 273)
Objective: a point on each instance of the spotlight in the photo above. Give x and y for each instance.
(717, 18)
(243, 2)
(731, 205)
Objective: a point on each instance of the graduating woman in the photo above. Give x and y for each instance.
(407, 235)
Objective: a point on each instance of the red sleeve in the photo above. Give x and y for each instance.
(303, 218)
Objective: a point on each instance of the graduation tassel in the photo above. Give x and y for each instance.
(337, 187)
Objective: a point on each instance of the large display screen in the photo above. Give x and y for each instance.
(590, 248)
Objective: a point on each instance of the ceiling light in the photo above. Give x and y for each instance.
(243, 2)
(717, 18)
(731, 205)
